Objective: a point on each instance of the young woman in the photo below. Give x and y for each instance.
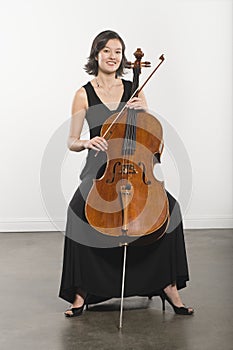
(92, 267)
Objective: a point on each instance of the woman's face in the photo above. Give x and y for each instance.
(109, 58)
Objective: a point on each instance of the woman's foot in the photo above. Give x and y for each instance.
(172, 293)
(78, 304)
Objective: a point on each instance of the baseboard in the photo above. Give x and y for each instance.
(205, 222)
(31, 225)
(44, 224)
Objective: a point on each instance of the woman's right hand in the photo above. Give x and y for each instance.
(97, 143)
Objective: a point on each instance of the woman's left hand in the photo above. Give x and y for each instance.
(137, 103)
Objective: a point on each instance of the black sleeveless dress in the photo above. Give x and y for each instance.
(92, 262)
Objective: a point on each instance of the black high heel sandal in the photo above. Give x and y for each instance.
(76, 311)
(178, 310)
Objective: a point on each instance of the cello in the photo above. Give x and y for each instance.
(128, 201)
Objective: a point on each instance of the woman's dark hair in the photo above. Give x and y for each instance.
(98, 44)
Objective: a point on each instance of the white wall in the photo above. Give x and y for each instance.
(44, 45)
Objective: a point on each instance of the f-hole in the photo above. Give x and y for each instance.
(141, 164)
(114, 173)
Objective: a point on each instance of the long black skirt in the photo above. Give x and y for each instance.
(96, 268)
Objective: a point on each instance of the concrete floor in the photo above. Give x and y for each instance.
(32, 314)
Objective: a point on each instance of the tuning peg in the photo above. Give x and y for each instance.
(146, 64)
(129, 64)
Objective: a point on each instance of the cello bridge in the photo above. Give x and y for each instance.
(128, 169)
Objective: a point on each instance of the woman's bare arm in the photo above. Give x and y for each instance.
(79, 109)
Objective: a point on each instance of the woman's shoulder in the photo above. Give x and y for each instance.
(81, 93)
(80, 98)
(127, 82)
(86, 85)
(127, 89)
